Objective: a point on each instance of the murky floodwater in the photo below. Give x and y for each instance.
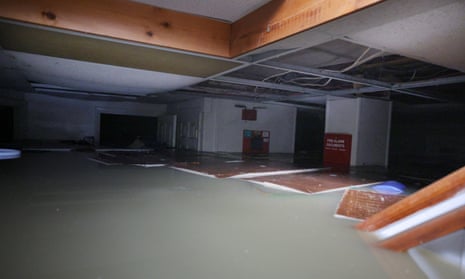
(64, 216)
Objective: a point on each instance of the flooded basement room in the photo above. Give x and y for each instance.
(232, 139)
(65, 216)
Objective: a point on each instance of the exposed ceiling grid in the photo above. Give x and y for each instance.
(407, 51)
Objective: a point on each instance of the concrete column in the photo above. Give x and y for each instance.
(368, 121)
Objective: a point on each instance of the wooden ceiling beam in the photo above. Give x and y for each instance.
(137, 22)
(125, 20)
(280, 19)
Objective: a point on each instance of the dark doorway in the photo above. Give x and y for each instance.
(427, 141)
(6, 124)
(121, 130)
(309, 135)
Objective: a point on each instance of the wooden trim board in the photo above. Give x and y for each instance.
(436, 228)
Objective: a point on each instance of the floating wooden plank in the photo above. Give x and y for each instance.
(422, 216)
(359, 204)
(282, 18)
(126, 20)
(436, 228)
(438, 191)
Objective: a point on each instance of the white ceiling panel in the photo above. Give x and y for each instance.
(226, 10)
(436, 36)
(428, 30)
(95, 77)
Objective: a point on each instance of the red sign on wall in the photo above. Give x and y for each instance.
(336, 153)
(249, 114)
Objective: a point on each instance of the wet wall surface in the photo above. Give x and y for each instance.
(64, 216)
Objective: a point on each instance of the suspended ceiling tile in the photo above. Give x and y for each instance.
(380, 14)
(436, 35)
(296, 42)
(227, 10)
(95, 77)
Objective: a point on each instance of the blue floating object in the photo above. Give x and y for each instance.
(389, 187)
(9, 154)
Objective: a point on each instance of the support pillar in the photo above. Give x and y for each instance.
(368, 121)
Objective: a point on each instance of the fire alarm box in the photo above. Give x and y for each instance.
(337, 151)
(256, 142)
